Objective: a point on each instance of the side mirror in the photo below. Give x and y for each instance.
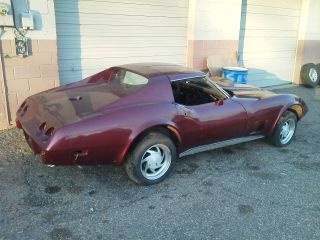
(219, 102)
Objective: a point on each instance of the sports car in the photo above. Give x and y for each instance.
(144, 116)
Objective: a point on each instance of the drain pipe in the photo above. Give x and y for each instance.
(4, 79)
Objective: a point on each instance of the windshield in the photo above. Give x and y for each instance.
(216, 86)
(206, 85)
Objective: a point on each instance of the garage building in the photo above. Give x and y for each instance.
(70, 40)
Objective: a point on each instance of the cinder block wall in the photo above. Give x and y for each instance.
(37, 72)
(213, 29)
(308, 50)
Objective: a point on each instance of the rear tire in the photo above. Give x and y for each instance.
(310, 75)
(151, 159)
(285, 130)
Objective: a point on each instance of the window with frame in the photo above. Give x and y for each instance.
(196, 91)
(126, 81)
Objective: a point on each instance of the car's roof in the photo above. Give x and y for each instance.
(153, 69)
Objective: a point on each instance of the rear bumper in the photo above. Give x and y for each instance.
(56, 157)
(41, 134)
(47, 157)
(34, 145)
(60, 149)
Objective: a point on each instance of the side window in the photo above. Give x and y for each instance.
(195, 91)
(131, 78)
(126, 81)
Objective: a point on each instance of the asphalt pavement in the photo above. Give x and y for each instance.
(247, 191)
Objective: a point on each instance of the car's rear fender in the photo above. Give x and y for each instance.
(161, 125)
(113, 134)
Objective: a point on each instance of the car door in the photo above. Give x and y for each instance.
(209, 122)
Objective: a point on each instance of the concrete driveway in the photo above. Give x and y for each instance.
(247, 191)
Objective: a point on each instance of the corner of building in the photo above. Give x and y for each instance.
(25, 76)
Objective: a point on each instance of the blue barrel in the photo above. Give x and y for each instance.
(235, 74)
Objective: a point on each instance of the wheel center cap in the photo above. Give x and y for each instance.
(154, 161)
(313, 75)
(285, 130)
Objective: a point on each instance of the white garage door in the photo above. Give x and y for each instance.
(268, 40)
(94, 35)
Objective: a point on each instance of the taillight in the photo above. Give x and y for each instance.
(49, 132)
(42, 126)
(43, 133)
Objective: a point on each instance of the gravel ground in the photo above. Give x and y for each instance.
(247, 191)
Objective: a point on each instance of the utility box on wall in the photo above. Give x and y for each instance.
(27, 21)
(19, 15)
(6, 17)
(29, 53)
(21, 46)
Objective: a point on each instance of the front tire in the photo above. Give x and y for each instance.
(285, 129)
(151, 159)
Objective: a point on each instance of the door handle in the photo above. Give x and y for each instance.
(219, 102)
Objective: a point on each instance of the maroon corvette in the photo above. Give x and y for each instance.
(146, 115)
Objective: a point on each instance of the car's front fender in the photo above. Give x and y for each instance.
(296, 105)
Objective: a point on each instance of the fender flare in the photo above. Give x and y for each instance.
(134, 136)
(295, 107)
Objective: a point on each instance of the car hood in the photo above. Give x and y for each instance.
(244, 90)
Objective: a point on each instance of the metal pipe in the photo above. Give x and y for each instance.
(28, 6)
(4, 79)
(14, 19)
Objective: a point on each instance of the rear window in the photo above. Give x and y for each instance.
(127, 80)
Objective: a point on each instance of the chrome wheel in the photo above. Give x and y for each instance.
(313, 75)
(287, 131)
(155, 161)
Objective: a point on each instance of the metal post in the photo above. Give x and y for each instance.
(4, 79)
